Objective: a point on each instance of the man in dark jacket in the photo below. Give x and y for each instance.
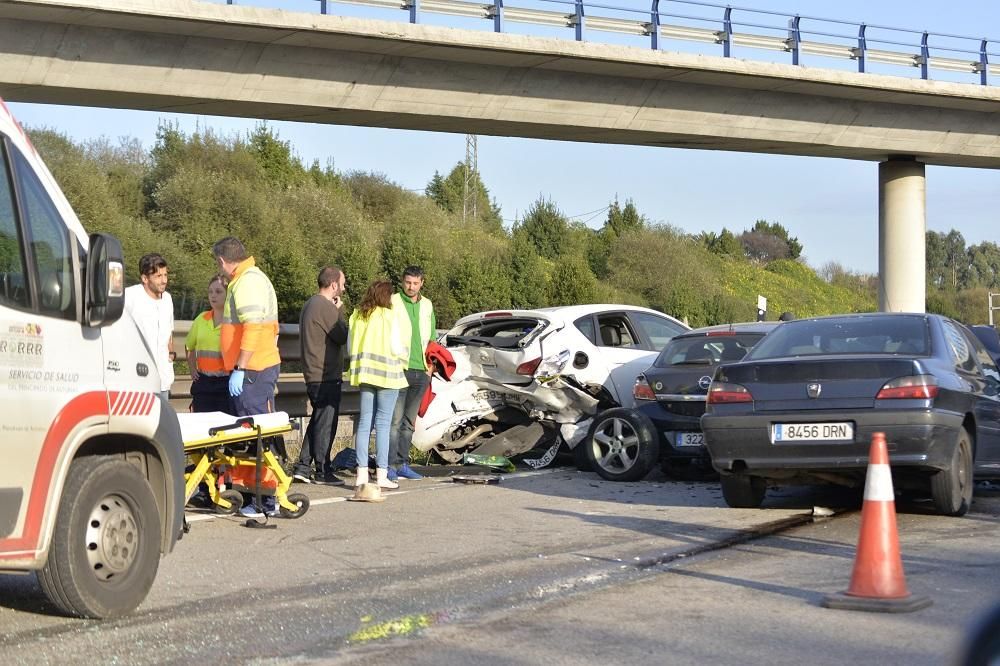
(322, 335)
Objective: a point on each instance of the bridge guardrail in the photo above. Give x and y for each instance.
(725, 26)
(291, 396)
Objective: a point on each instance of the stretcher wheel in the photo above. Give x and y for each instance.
(299, 500)
(234, 497)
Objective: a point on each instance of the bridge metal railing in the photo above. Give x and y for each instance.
(291, 396)
(728, 27)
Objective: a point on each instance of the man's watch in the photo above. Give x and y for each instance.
(236, 367)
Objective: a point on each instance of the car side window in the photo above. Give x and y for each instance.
(616, 331)
(13, 275)
(586, 326)
(961, 351)
(50, 244)
(659, 330)
(982, 355)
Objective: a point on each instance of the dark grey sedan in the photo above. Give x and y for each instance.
(802, 406)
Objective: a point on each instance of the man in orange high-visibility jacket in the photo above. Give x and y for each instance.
(249, 335)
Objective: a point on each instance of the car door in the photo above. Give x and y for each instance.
(622, 353)
(987, 408)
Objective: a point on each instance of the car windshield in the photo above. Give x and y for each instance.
(901, 334)
(706, 349)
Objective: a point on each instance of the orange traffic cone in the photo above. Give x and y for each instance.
(877, 583)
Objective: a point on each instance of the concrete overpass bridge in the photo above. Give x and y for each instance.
(192, 57)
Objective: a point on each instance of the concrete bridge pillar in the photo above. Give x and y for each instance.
(902, 227)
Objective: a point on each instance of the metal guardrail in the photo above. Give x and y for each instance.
(726, 26)
(291, 395)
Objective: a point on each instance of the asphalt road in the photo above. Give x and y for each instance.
(554, 566)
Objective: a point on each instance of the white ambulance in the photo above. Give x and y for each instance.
(91, 459)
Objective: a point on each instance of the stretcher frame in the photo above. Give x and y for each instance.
(211, 456)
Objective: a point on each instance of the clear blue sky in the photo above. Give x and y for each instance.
(830, 205)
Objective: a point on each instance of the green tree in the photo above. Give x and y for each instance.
(529, 281)
(984, 265)
(479, 283)
(724, 243)
(448, 192)
(375, 194)
(545, 227)
(623, 220)
(946, 260)
(768, 241)
(572, 282)
(275, 157)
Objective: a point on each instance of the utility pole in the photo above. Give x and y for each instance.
(470, 189)
(993, 307)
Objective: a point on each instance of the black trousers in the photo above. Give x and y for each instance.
(325, 400)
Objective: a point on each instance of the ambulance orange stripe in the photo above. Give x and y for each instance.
(76, 410)
(115, 402)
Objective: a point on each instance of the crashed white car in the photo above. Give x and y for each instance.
(533, 379)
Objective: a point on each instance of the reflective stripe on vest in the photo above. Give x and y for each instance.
(206, 346)
(372, 358)
(250, 319)
(210, 363)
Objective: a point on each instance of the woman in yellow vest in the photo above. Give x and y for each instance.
(209, 379)
(379, 340)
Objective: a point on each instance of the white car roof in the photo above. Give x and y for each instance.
(565, 312)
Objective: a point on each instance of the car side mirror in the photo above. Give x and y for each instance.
(105, 284)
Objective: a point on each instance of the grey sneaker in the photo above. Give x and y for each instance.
(250, 511)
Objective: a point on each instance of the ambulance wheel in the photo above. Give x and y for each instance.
(299, 500)
(235, 499)
(106, 542)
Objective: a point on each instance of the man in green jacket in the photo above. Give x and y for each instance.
(423, 324)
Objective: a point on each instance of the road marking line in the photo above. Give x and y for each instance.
(202, 517)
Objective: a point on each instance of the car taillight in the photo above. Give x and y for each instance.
(720, 393)
(917, 387)
(529, 367)
(642, 390)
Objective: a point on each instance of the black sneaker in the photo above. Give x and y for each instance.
(332, 480)
(302, 477)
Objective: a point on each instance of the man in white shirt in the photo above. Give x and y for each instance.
(152, 309)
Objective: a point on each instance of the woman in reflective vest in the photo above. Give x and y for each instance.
(379, 340)
(209, 379)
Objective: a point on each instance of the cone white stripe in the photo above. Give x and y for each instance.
(878, 484)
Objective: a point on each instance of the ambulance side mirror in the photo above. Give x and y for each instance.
(105, 287)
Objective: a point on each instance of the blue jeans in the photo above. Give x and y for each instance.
(377, 404)
(405, 416)
(258, 392)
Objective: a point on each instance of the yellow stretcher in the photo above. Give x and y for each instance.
(216, 447)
